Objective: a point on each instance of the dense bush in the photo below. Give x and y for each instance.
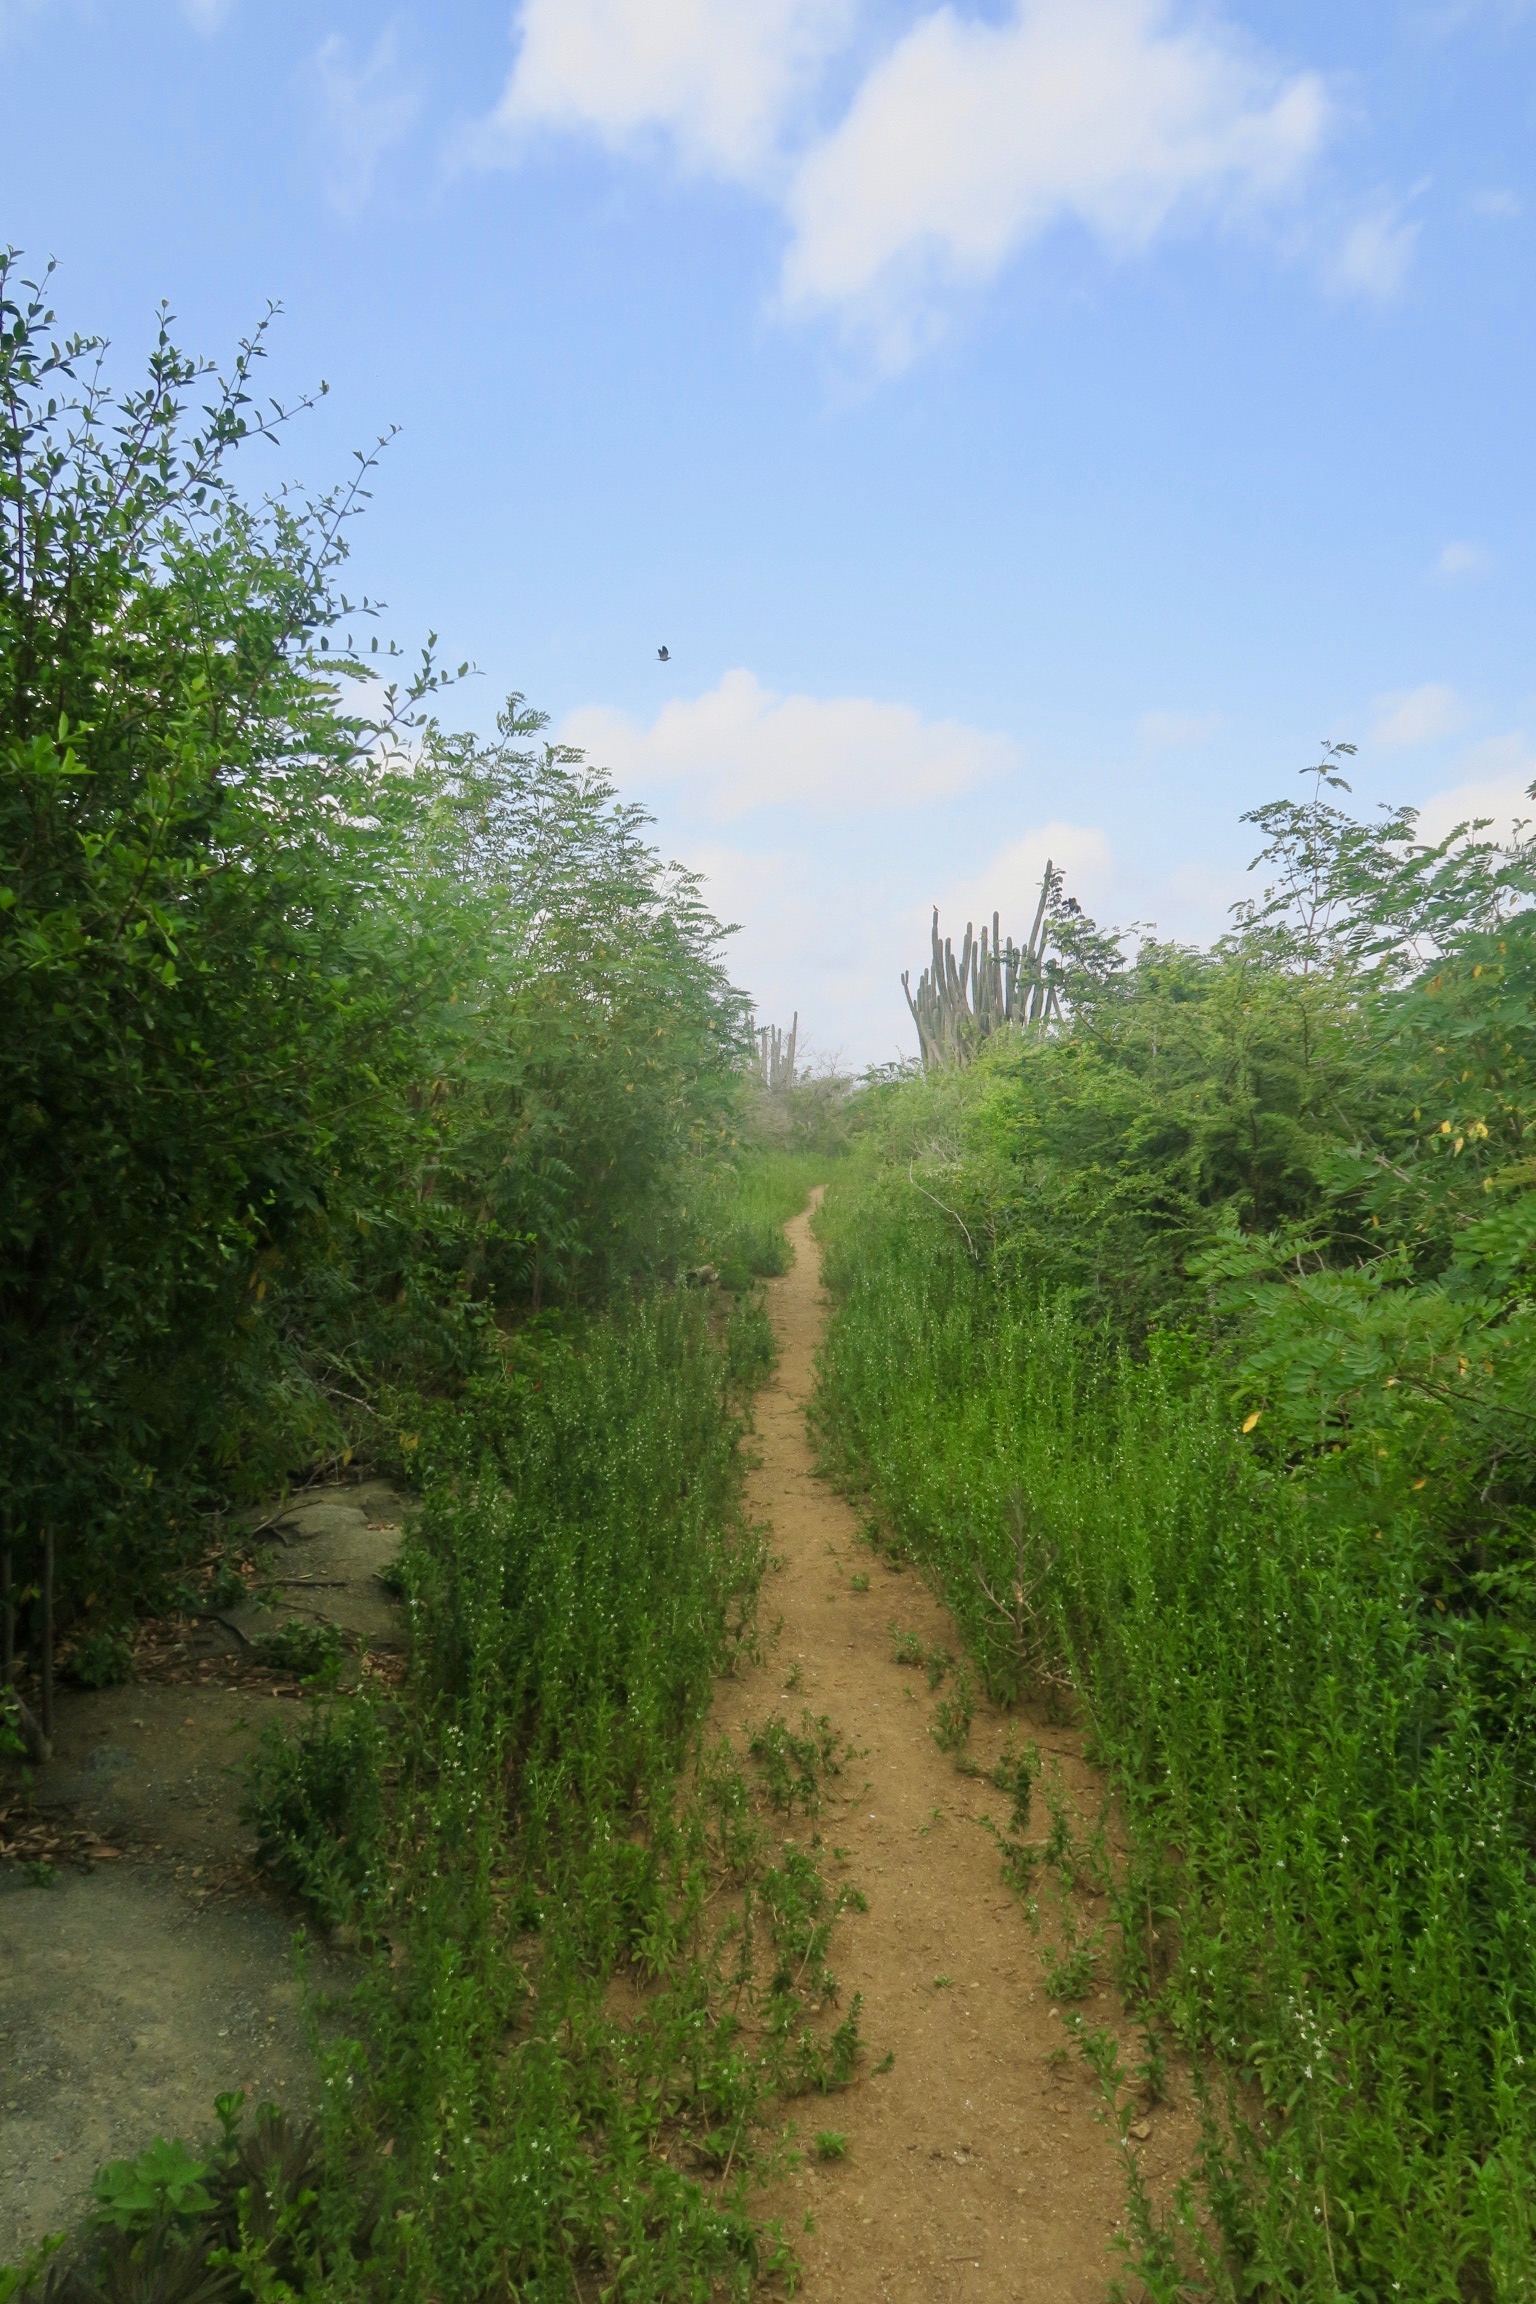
(370, 1088)
(1191, 1350)
(328, 1038)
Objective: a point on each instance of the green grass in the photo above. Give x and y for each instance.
(579, 1573)
(594, 1970)
(1329, 1900)
(743, 1214)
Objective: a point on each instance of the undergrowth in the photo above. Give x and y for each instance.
(1330, 1887)
(376, 1092)
(743, 1211)
(1188, 1349)
(595, 1956)
(555, 1835)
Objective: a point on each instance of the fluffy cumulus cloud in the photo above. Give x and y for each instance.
(1008, 883)
(964, 138)
(719, 77)
(741, 747)
(970, 138)
(826, 929)
(828, 826)
(817, 939)
(1414, 716)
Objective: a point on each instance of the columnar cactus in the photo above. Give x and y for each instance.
(776, 1054)
(959, 1003)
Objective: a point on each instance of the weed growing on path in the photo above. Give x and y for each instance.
(793, 1768)
(952, 1716)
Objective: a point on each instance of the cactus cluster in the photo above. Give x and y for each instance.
(776, 1054)
(958, 1003)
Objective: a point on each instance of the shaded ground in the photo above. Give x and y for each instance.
(156, 1971)
(977, 2167)
(126, 2006)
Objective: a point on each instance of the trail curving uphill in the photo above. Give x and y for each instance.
(977, 2167)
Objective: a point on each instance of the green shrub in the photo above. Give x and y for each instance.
(366, 1088)
(330, 1038)
(315, 1800)
(165, 2182)
(101, 1656)
(1198, 1375)
(313, 1650)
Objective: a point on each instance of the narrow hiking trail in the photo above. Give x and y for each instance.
(977, 2168)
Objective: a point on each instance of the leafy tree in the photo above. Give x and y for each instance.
(328, 1036)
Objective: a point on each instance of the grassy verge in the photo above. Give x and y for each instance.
(594, 1968)
(1329, 1900)
(746, 1208)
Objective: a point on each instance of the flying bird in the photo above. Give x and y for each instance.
(663, 655)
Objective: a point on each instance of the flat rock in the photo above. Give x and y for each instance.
(322, 1517)
(124, 2010)
(326, 1565)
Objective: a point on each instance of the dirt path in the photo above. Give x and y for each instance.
(976, 2168)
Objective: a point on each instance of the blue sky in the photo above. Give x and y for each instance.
(1030, 424)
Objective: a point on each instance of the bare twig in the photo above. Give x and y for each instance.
(939, 1204)
(1020, 1610)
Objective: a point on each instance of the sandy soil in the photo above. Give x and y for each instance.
(978, 2167)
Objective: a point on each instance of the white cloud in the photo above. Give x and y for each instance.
(207, 16)
(1496, 203)
(366, 109)
(971, 138)
(965, 139)
(1496, 778)
(1415, 716)
(740, 747)
(1376, 253)
(1009, 882)
(818, 937)
(1462, 559)
(1176, 731)
(826, 932)
(718, 77)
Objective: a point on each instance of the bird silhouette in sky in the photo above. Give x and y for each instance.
(663, 655)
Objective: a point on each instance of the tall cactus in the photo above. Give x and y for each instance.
(776, 1054)
(958, 1003)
